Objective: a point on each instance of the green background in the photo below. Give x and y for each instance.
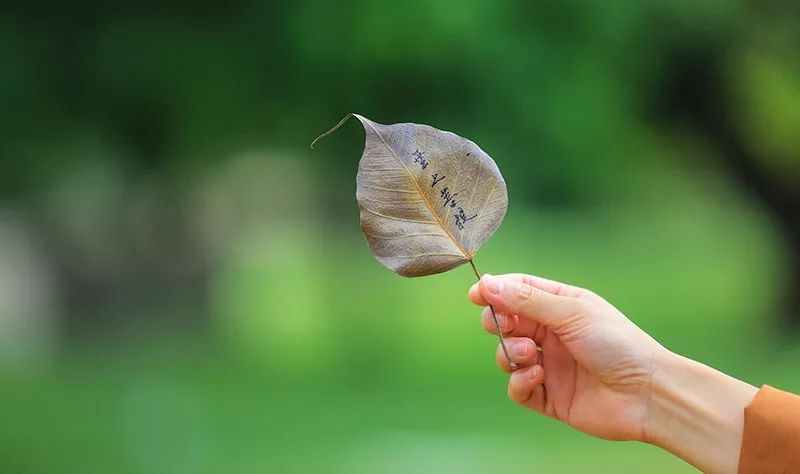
(183, 284)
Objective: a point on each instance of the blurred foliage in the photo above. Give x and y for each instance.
(183, 287)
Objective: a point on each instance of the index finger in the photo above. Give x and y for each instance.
(550, 286)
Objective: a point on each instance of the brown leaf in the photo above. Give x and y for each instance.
(428, 198)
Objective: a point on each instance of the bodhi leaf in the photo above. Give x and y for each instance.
(428, 198)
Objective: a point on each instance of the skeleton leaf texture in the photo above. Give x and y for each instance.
(428, 198)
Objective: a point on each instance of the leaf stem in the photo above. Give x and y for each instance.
(496, 323)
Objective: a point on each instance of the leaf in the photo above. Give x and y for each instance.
(428, 198)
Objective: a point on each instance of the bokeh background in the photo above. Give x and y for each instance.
(183, 284)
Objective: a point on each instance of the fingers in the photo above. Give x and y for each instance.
(525, 387)
(522, 351)
(510, 325)
(507, 322)
(510, 296)
(550, 286)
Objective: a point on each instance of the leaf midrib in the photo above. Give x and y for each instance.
(427, 201)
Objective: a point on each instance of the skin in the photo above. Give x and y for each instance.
(601, 374)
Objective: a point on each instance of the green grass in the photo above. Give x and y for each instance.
(319, 360)
(148, 412)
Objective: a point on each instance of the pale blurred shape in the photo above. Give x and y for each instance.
(260, 219)
(86, 205)
(27, 298)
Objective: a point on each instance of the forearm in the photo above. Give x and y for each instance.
(697, 413)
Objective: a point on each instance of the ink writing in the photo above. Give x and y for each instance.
(419, 157)
(449, 199)
(460, 217)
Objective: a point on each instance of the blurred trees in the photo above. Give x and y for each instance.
(564, 95)
(741, 96)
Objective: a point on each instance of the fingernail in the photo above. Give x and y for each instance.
(502, 320)
(521, 349)
(537, 370)
(493, 284)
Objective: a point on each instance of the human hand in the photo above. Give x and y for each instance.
(601, 374)
(595, 368)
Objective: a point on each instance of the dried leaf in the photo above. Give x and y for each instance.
(428, 198)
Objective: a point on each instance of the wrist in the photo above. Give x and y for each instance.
(697, 413)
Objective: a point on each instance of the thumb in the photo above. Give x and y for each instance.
(514, 297)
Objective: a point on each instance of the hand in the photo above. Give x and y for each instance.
(603, 375)
(595, 368)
